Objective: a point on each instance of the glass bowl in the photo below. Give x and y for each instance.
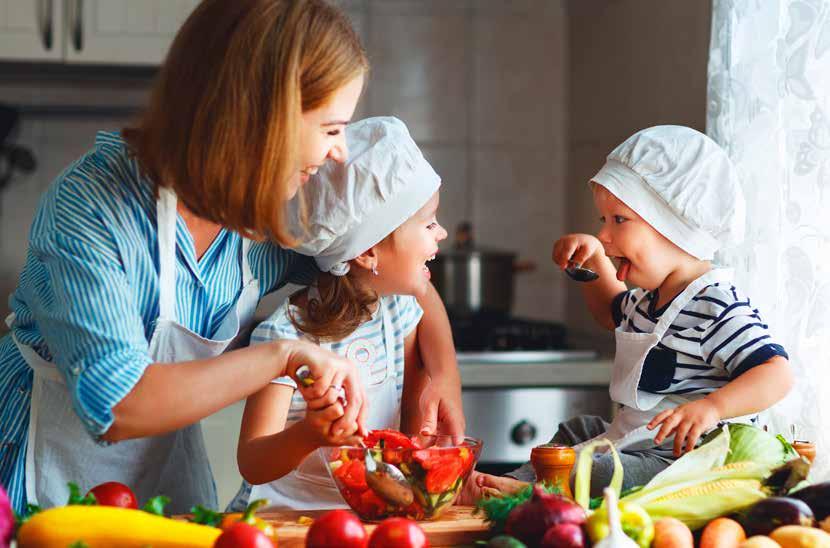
(434, 467)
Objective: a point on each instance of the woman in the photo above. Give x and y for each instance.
(149, 254)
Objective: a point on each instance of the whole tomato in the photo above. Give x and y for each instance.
(398, 533)
(338, 528)
(113, 493)
(242, 535)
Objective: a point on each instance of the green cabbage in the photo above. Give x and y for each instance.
(748, 443)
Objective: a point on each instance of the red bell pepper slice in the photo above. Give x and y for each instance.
(392, 439)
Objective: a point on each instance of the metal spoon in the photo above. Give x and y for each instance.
(387, 481)
(580, 274)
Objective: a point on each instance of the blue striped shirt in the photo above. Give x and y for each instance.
(405, 313)
(87, 299)
(715, 338)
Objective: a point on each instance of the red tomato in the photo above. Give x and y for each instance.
(338, 528)
(242, 535)
(398, 533)
(113, 493)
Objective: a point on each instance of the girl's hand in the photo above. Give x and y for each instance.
(687, 422)
(330, 372)
(320, 421)
(576, 249)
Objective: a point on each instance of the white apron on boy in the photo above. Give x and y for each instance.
(309, 486)
(628, 429)
(60, 449)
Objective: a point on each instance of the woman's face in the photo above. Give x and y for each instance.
(322, 133)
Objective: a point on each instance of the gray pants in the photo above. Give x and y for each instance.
(639, 466)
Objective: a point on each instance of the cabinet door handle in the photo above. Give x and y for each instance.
(76, 23)
(46, 16)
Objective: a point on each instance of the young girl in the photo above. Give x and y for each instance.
(691, 350)
(371, 243)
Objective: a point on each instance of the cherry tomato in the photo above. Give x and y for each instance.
(398, 533)
(242, 535)
(338, 528)
(113, 493)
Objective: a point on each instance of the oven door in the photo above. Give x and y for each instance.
(511, 421)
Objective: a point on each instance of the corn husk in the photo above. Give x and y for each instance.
(698, 487)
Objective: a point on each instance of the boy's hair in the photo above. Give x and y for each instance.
(345, 303)
(222, 126)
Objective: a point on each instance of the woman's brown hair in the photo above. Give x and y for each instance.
(222, 126)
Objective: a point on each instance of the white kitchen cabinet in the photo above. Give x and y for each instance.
(114, 32)
(123, 31)
(31, 30)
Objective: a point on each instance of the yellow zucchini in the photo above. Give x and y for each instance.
(797, 536)
(107, 526)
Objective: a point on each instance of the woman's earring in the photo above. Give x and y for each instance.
(375, 270)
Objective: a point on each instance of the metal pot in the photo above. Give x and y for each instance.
(473, 280)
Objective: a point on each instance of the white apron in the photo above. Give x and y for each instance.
(309, 486)
(628, 429)
(59, 448)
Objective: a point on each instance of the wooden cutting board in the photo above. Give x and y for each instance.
(456, 527)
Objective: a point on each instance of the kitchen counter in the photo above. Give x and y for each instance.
(594, 372)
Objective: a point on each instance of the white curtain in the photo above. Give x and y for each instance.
(769, 106)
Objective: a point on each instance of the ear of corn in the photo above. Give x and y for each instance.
(696, 506)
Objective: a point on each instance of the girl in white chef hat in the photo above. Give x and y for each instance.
(372, 231)
(691, 351)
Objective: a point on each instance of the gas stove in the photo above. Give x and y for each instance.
(496, 338)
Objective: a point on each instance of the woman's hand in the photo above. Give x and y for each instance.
(442, 410)
(576, 249)
(330, 372)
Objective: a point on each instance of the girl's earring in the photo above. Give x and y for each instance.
(375, 270)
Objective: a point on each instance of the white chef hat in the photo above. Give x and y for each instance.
(355, 205)
(680, 182)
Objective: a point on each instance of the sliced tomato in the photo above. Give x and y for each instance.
(441, 478)
(432, 458)
(393, 456)
(392, 439)
(371, 504)
(352, 474)
(465, 456)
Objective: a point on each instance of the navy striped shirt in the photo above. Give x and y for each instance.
(87, 299)
(716, 337)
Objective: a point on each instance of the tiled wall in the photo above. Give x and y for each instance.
(633, 64)
(482, 85)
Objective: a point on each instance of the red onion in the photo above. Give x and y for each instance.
(530, 521)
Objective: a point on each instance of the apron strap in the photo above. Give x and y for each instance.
(388, 338)
(166, 210)
(713, 276)
(247, 274)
